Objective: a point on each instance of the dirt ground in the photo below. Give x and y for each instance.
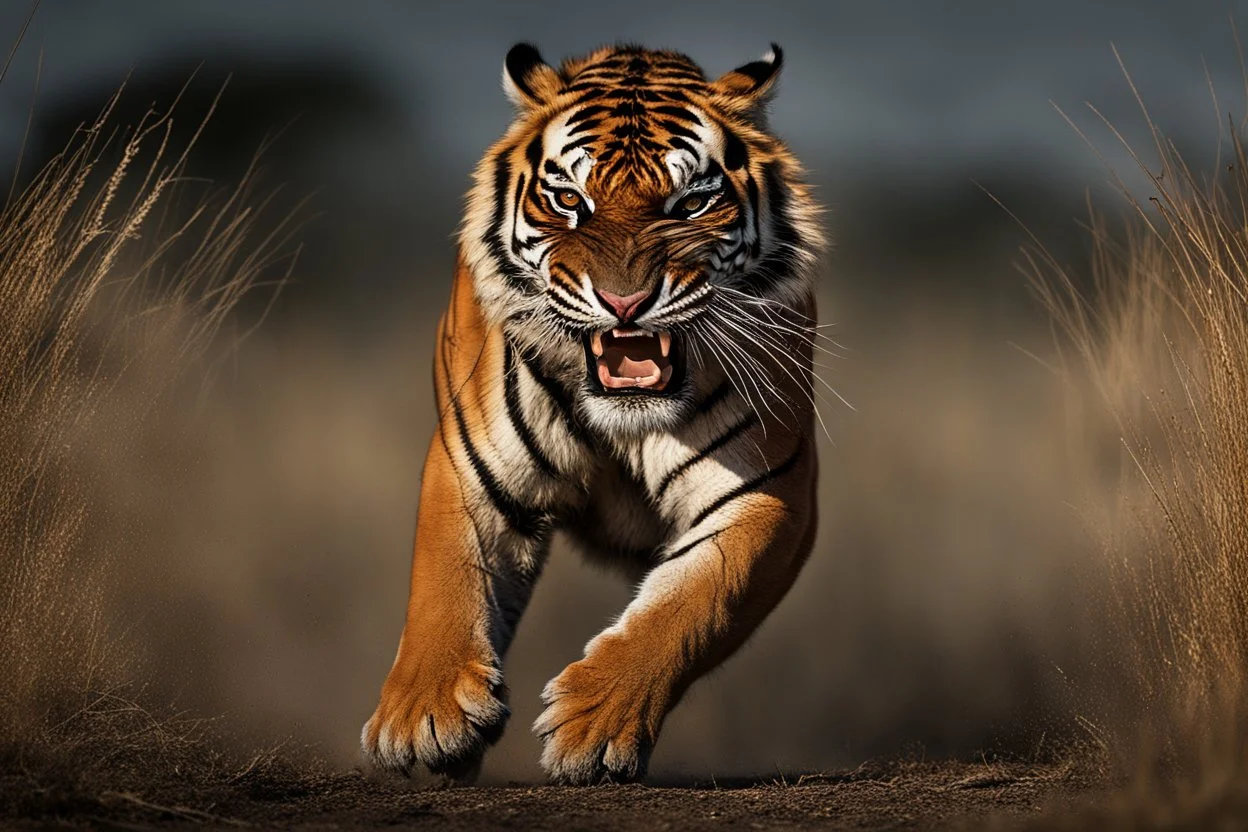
(912, 795)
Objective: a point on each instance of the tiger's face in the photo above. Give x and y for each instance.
(627, 221)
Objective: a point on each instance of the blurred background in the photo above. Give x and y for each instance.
(263, 532)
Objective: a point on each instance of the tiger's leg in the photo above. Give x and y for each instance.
(444, 702)
(478, 553)
(720, 580)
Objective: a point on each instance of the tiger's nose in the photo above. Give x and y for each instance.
(625, 308)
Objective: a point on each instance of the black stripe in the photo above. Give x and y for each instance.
(560, 398)
(533, 151)
(564, 305)
(680, 144)
(717, 443)
(778, 264)
(591, 93)
(511, 396)
(735, 154)
(670, 61)
(523, 519)
(567, 272)
(515, 213)
(715, 397)
(571, 287)
(581, 142)
(493, 234)
(560, 270)
(628, 108)
(677, 129)
(597, 73)
(751, 190)
(688, 547)
(588, 112)
(630, 130)
(746, 487)
(648, 142)
(669, 95)
(664, 85)
(677, 112)
(777, 195)
(533, 198)
(585, 126)
(664, 76)
(615, 60)
(552, 167)
(591, 89)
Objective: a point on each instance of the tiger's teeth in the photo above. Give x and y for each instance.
(595, 343)
(665, 343)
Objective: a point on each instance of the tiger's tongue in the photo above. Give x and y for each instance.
(635, 361)
(625, 367)
(640, 360)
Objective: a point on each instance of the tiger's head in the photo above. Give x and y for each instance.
(637, 225)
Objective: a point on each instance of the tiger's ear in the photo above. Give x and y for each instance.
(750, 86)
(529, 81)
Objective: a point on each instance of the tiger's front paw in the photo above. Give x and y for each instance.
(595, 727)
(444, 724)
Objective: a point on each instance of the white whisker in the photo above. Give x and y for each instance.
(761, 333)
(775, 353)
(761, 329)
(772, 307)
(736, 382)
(727, 344)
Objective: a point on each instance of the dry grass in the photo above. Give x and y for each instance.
(262, 567)
(102, 284)
(1162, 333)
(949, 594)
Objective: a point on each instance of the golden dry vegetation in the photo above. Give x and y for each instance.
(106, 296)
(1044, 557)
(1161, 334)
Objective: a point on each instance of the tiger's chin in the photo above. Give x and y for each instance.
(636, 382)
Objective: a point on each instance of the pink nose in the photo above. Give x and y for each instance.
(625, 308)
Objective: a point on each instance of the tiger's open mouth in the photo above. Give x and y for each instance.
(631, 360)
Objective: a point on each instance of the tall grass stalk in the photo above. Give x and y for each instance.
(105, 282)
(1161, 331)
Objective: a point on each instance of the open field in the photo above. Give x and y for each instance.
(1027, 606)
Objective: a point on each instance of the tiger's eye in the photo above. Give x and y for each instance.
(692, 204)
(569, 199)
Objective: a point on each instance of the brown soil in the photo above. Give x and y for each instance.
(877, 796)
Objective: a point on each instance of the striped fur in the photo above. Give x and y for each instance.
(626, 173)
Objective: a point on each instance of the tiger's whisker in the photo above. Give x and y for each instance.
(772, 353)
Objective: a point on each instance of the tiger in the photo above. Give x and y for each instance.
(627, 357)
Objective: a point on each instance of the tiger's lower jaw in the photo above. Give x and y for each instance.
(633, 417)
